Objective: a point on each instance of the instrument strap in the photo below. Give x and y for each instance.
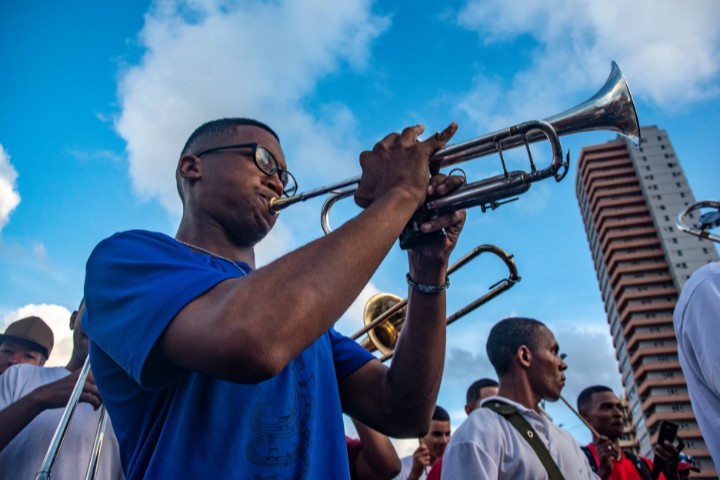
(526, 431)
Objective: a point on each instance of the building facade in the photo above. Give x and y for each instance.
(629, 198)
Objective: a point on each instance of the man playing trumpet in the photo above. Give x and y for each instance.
(211, 367)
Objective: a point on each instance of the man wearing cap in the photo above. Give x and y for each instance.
(28, 340)
(32, 401)
(685, 466)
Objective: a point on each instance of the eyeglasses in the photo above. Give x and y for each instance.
(266, 163)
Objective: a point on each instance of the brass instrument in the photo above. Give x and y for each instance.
(705, 223)
(384, 313)
(56, 442)
(611, 108)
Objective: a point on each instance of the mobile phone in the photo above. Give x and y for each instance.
(666, 431)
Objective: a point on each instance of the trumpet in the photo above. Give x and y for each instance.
(705, 223)
(384, 313)
(611, 108)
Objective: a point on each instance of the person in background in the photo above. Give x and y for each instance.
(431, 449)
(371, 455)
(603, 410)
(510, 435)
(697, 327)
(479, 390)
(32, 402)
(28, 340)
(685, 466)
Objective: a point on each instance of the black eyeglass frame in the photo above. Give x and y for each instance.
(256, 147)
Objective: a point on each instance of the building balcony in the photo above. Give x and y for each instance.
(640, 372)
(610, 179)
(614, 235)
(608, 194)
(614, 202)
(617, 280)
(639, 257)
(658, 321)
(648, 337)
(660, 293)
(654, 420)
(609, 169)
(656, 307)
(653, 400)
(607, 214)
(644, 384)
(640, 353)
(663, 278)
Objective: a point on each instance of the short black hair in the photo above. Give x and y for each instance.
(507, 336)
(440, 414)
(473, 392)
(221, 127)
(585, 396)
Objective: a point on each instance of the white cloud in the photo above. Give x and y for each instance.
(211, 59)
(58, 318)
(669, 51)
(9, 196)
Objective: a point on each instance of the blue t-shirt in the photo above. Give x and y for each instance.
(176, 423)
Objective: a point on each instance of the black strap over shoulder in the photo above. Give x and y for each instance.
(526, 431)
(591, 458)
(640, 464)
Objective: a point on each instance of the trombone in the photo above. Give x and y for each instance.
(57, 440)
(705, 223)
(611, 108)
(384, 313)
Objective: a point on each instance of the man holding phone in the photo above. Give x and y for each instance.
(603, 410)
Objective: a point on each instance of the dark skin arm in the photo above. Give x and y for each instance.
(671, 456)
(399, 400)
(606, 451)
(289, 304)
(378, 458)
(15, 417)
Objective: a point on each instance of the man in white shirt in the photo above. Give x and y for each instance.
(697, 327)
(525, 356)
(32, 401)
(431, 449)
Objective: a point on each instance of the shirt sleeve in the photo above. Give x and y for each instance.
(8, 381)
(135, 284)
(465, 460)
(701, 329)
(348, 355)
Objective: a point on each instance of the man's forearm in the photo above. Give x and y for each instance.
(416, 371)
(16, 416)
(287, 305)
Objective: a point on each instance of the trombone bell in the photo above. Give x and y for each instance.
(384, 335)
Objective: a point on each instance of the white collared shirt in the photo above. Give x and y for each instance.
(487, 446)
(697, 327)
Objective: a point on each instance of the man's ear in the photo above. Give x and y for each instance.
(524, 356)
(73, 318)
(190, 167)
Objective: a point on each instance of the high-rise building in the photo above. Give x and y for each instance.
(629, 198)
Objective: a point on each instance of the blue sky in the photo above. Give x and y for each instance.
(98, 97)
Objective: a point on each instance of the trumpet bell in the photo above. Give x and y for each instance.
(384, 335)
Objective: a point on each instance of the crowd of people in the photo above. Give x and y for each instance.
(210, 366)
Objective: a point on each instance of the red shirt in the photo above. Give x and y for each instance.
(434, 473)
(624, 469)
(354, 447)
